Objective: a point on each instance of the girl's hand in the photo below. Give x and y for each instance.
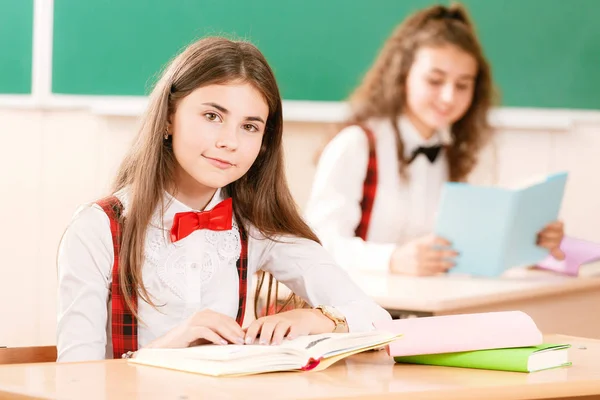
(428, 255)
(203, 327)
(550, 238)
(290, 324)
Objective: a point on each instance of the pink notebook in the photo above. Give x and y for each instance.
(464, 332)
(577, 252)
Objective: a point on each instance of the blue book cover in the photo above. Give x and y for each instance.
(495, 228)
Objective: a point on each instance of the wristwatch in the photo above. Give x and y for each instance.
(337, 317)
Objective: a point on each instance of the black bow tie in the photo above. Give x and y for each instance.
(430, 152)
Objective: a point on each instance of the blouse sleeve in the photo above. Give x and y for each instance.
(85, 260)
(309, 271)
(333, 209)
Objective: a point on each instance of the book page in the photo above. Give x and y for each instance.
(331, 344)
(211, 352)
(531, 180)
(524, 182)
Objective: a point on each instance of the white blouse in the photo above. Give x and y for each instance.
(402, 210)
(195, 273)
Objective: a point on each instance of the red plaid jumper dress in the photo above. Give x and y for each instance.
(124, 324)
(369, 188)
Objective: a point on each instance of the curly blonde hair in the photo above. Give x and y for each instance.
(382, 93)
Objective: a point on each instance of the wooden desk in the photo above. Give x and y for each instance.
(556, 303)
(370, 375)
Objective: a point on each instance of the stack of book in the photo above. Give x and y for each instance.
(503, 341)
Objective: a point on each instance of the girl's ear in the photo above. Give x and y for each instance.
(169, 127)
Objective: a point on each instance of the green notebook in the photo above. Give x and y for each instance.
(518, 359)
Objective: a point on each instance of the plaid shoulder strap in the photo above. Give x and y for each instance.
(124, 324)
(242, 268)
(369, 187)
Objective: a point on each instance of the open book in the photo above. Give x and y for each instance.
(305, 353)
(495, 228)
(520, 359)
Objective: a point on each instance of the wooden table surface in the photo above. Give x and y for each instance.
(371, 375)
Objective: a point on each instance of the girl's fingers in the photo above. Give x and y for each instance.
(551, 235)
(549, 244)
(227, 328)
(438, 241)
(556, 225)
(557, 253)
(439, 259)
(295, 331)
(437, 266)
(252, 331)
(554, 247)
(282, 328)
(266, 332)
(230, 333)
(203, 332)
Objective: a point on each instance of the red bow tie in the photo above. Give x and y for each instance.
(217, 219)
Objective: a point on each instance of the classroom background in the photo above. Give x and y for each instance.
(74, 74)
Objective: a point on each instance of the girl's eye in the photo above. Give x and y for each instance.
(250, 128)
(462, 86)
(212, 116)
(435, 82)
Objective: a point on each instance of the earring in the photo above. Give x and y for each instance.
(167, 135)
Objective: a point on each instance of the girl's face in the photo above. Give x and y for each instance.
(217, 135)
(439, 87)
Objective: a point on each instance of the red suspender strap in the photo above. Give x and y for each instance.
(124, 324)
(369, 187)
(242, 268)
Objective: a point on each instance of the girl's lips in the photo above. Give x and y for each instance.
(442, 113)
(217, 162)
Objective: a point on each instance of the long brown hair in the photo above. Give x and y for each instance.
(260, 198)
(382, 93)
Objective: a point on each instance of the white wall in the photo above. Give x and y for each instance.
(52, 161)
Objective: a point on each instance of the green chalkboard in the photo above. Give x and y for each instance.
(16, 36)
(545, 53)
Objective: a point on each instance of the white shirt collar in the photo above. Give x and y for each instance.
(412, 139)
(174, 206)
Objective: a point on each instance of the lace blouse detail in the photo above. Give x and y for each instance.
(185, 270)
